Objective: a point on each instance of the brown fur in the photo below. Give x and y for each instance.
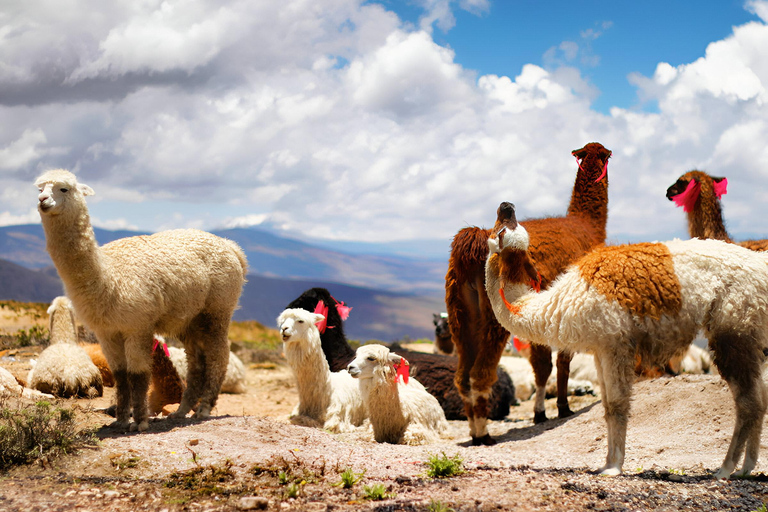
(706, 219)
(97, 356)
(639, 291)
(554, 244)
(165, 386)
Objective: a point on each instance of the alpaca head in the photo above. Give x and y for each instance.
(508, 247)
(59, 191)
(375, 361)
(690, 186)
(61, 324)
(594, 156)
(294, 325)
(442, 328)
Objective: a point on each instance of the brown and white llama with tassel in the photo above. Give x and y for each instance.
(699, 194)
(555, 242)
(643, 301)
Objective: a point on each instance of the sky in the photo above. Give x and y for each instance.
(379, 121)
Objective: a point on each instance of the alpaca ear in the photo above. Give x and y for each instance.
(85, 189)
(579, 153)
(493, 245)
(318, 318)
(534, 274)
(394, 358)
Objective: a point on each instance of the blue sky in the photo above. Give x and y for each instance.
(381, 121)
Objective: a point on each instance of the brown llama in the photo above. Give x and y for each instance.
(699, 195)
(555, 243)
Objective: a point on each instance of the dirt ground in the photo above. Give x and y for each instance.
(247, 456)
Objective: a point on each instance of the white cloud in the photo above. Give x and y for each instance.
(335, 118)
(12, 219)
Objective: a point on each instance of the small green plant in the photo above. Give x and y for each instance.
(122, 462)
(349, 478)
(438, 506)
(35, 335)
(292, 491)
(676, 471)
(283, 478)
(376, 492)
(444, 466)
(761, 508)
(37, 431)
(205, 480)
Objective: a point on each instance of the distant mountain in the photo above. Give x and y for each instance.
(25, 285)
(273, 256)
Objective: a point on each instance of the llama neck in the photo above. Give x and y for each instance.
(385, 410)
(75, 253)
(706, 219)
(313, 376)
(589, 199)
(63, 327)
(526, 320)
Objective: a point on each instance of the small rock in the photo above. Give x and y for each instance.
(111, 494)
(253, 503)
(194, 442)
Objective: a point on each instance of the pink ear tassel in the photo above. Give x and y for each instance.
(321, 309)
(687, 199)
(342, 309)
(605, 171)
(721, 187)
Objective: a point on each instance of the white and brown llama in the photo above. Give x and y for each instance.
(644, 301)
(555, 243)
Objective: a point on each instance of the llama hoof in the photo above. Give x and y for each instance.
(139, 427)
(609, 471)
(722, 474)
(539, 417)
(563, 412)
(486, 440)
(178, 415)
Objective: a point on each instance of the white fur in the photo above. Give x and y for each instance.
(9, 388)
(234, 380)
(326, 399)
(724, 291)
(183, 282)
(64, 369)
(400, 413)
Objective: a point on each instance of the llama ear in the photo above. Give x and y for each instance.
(493, 245)
(579, 153)
(85, 189)
(534, 274)
(394, 358)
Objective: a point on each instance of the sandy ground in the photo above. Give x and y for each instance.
(678, 434)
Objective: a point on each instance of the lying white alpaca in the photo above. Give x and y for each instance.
(10, 388)
(647, 300)
(183, 282)
(234, 380)
(64, 369)
(401, 412)
(329, 400)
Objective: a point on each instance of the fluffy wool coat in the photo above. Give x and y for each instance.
(400, 413)
(184, 283)
(647, 300)
(329, 400)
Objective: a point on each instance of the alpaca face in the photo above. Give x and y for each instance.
(372, 359)
(57, 189)
(294, 324)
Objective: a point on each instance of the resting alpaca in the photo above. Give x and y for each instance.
(443, 341)
(400, 412)
(234, 380)
(434, 371)
(183, 282)
(699, 195)
(329, 400)
(64, 369)
(556, 242)
(647, 300)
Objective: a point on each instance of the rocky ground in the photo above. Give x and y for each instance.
(249, 457)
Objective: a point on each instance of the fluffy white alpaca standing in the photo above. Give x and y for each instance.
(64, 369)
(648, 300)
(329, 400)
(400, 412)
(183, 282)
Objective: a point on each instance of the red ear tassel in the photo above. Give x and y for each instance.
(536, 283)
(515, 310)
(402, 370)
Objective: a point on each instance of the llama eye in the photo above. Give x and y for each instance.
(65, 190)
(371, 358)
(301, 321)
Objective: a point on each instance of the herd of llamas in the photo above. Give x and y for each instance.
(552, 282)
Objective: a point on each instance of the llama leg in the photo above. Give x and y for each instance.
(113, 347)
(616, 375)
(215, 352)
(481, 380)
(194, 377)
(466, 359)
(139, 355)
(563, 374)
(739, 360)
(541, 361)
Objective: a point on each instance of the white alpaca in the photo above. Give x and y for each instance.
(400, 413)
(329, 400)
(647, 300)
(182, 282)
(234, 380)
(64, 369)
(10, 388)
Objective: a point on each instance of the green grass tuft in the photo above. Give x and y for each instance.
(444, 466)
